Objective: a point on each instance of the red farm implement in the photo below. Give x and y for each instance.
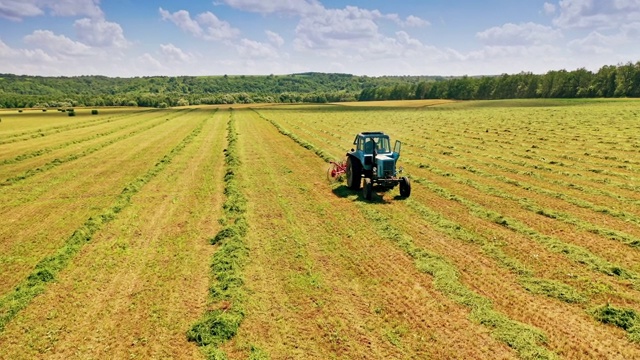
(336, 170)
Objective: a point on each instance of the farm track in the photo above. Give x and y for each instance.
(69, 194)
(333, 291)
(581, 323)
(41, 146)
(39, 133)
(135, 289)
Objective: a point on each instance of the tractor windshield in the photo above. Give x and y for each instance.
(382, 145)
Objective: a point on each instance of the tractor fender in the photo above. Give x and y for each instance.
(354, 157)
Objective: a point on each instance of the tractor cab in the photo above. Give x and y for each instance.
(374, 144)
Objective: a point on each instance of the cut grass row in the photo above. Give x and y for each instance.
(34, 134)
(538, 285)
(87, 151)
(227, 291)
(45, 150)
(535, 207)
(48, 268)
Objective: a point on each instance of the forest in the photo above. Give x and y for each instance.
(22, 91)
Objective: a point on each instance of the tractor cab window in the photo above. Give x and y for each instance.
(369, 145)
(383, 145)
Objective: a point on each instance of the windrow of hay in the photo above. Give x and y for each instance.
(226, 294)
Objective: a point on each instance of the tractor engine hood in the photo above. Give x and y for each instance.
(386, 166)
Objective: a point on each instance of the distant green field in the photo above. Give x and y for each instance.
(145, 232)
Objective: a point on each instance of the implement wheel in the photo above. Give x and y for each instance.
(405, 187)
(367, 190)
(354, 173)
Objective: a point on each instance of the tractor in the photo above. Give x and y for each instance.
(374, 160)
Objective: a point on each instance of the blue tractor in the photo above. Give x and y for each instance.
(375, 161)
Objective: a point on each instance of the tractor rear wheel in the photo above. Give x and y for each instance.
(405, 187)
(354, 173)
(367, 190)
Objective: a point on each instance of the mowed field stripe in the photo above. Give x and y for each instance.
(14, 154)
(47, 269)
(526, 340)
(75, 125)
(86, 151)
(137, 287)
(227, 295)
(38, 214)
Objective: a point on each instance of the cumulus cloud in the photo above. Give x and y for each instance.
(549, 8)
(596, 13)
(183, 20)
(274, 38)
(292, 7)
(19, 9)
(206, 25)
(174, 54)
(519, 34)
(255, 49)
(100, 33)
(58, 44)
(336, 28)
(598, 43)
(414, 21)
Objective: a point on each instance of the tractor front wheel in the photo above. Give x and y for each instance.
(354, 174)
(405, 187)
(367, 190)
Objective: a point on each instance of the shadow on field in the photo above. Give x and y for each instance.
(378, 197)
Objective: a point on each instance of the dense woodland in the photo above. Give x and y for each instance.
(35, 91)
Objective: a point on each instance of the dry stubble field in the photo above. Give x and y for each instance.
(189, 233)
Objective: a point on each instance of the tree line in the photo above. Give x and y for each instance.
(608, 81)
(21, 91)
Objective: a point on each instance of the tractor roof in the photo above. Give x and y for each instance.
(372, 133)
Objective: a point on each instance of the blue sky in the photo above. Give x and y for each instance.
(363, 37)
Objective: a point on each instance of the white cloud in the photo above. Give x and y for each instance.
(598, 43)
(596, 13)
(183, 20)
(414, 21)
(594, 43)
(254, 49)
(174, 54)
(206, 25)
(336, 28)
(100, 33)
(549, 8)
(519, 34)
(216, 29)
(19, 9)
(57, 44)
(151, 64)
(274, 38)
(291, 7)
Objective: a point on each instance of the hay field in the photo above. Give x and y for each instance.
(185, 233)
